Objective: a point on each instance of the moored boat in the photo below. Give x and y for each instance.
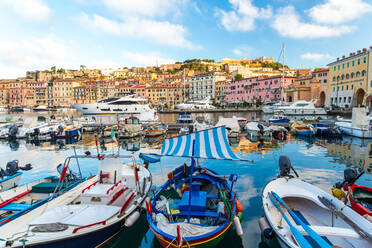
(360, 126)
(188, 210)
(302, 215)
(88, 215)
(156, 130)
(302, 129)
(10, 177)
(129, 128)
(279, 117)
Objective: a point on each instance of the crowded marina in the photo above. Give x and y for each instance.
(189, 177)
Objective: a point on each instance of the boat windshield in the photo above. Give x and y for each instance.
(108, 100)
(122, 102)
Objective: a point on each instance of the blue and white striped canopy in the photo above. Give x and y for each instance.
(210, 144)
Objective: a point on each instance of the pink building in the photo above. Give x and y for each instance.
(267, 89)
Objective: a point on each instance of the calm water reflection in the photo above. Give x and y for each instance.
(320, 162)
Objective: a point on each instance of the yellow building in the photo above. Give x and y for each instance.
(347, 77)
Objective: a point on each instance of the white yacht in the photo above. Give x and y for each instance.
(272, 108)
(302, 108)
(196, 104)
(124, 106)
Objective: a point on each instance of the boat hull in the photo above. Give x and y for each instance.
(10, 182)
(356, 132)
(207, 242)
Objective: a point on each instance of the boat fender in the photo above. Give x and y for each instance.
(238, 226)
(240, 216)
(239, 207)
(265, 228)
(338, 193)
(132, 219)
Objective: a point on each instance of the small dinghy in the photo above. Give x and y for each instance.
(88, 215)
(196, 206)
(9, 178)
(156, 130)
(302, 129)
(302, 215)
(359, 197)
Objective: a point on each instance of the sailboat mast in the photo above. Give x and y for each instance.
(282, 91)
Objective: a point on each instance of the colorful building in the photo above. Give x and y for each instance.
(203, 85)
(347, 80)
(256, 89)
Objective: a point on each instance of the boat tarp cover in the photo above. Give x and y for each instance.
(210, 144)
(231, 123)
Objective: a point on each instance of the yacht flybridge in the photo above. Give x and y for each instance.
(127, 106)
(196, 104)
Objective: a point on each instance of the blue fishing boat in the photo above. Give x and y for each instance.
(302, 129)
(196, 206)
(326, 130)
(279, 118)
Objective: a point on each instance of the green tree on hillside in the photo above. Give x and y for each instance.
(238, 77)
(53, 69)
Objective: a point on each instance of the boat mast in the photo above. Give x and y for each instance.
(184, 87)
(282, 90)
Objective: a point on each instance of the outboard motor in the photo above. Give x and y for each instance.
(60, 129)
(350, 176)
(26, 167)
(12, 167)
(259, 125)
(12, 131)
(2, 173)
(285, 167)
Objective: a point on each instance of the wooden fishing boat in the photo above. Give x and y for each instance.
(22, 199)
(302, 215)
(88, 215)
(156, 130)
(196, 206)
(130, 128)
(302, 129)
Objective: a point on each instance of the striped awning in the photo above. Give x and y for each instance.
(211, 144)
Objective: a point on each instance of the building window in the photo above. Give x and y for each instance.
(338, 67)
(347, 87)
(352, 86)
(342, 88)
(353, 63)
(334, 68)
(343, 66)
(345, 99)
(358, 61)
(364, 60)
(349, 100)
(348, 64)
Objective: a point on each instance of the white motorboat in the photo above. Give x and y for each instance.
(302, 108)
(232, 126)
(41, 108)
(87, 215)
(255, 129)
(196, 104)
(302, 215)
(3, 109)
(200, 126)
(274, 107)
(125, 106)
(360, 125)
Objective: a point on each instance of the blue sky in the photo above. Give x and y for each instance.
(37, 34)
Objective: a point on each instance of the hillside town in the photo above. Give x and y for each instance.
(345, 82)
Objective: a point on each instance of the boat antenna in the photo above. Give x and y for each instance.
(282, 84)
(77, 162)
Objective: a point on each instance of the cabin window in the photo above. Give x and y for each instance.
(95, 199)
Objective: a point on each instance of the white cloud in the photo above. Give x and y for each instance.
(243, 15)
(32, 10)
(287, 22)
(339, 11)
(146, 59)
(145, 8)
(242, 50)
(316, 56)
(161, 32)
(30, 53)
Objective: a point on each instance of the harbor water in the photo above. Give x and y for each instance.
(320, 162)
